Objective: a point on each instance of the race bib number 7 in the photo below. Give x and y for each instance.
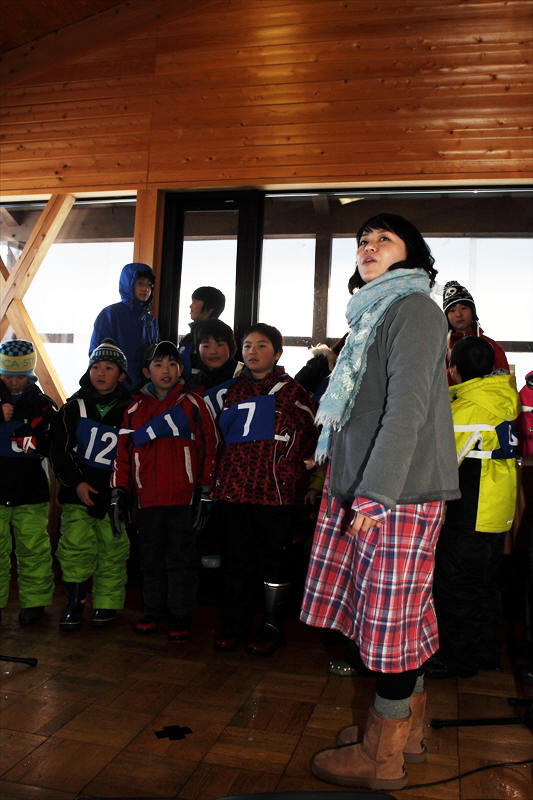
(251, 420)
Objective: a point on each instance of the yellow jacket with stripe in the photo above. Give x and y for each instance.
(483, 411)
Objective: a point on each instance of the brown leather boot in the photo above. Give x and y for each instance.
(375, 763)
(415, 750)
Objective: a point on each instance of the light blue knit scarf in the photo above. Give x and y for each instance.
(364, 313)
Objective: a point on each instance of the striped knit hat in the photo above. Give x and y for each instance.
(108, 350)
(18, 357)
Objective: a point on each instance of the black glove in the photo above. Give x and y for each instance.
(118, 510)
(201, 507)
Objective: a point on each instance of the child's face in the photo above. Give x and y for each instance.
(258, 355)
(164, 372)
(213, 352)
(460, 317)
(104, 376)
(142, 289)
(198, 312)
(15, 383)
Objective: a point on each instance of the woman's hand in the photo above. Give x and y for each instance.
(362, 523)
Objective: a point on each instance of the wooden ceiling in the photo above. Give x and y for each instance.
(26, 21)
(156, 94)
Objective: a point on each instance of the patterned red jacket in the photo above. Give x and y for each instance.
(270, 471)
(165, 469)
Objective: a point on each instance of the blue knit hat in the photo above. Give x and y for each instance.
(18, 357)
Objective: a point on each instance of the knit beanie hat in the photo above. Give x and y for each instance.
(455, 293)
(108, 350)
(18, 357)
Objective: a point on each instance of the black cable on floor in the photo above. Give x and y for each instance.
(466, 774)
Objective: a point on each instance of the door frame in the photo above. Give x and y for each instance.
(250, 205)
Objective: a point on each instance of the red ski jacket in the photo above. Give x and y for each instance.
(166, 448)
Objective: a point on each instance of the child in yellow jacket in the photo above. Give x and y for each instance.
(469, 552)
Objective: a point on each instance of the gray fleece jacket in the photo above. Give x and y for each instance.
(398, 445)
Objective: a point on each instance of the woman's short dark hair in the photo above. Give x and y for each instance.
(269, 331)
(218, 330)
(473, 357)
(352, 282)
(418, 253)
(211, 298)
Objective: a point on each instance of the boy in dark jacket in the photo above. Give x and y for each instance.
(207, 302)
(83, 448)
(167, 451)
(25, 414)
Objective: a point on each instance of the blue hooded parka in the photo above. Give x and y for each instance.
(129, 323)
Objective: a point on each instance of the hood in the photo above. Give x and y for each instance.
(526, 392)
(127, 279)
(495, 393)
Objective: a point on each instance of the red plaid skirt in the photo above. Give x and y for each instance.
(376, 587)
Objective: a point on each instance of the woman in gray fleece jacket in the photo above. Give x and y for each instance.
(388, 434)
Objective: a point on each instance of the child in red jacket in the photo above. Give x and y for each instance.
(267, 424)
(165, 454)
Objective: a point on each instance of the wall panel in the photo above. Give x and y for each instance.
(265, 92)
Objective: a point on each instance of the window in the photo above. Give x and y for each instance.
(208, 261)
(78, 277)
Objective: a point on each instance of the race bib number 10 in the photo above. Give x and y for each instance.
(214, 397)
(251, 420)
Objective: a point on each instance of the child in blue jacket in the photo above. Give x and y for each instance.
(130, 323)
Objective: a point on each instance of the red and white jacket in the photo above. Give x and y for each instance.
(165, 470)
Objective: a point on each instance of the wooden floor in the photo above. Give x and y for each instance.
(83, 721)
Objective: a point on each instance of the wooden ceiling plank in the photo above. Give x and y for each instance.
(35, 249)
(20, 321)
(86, 36)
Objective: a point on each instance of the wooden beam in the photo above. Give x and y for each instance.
(4, 275)
(24, 328)
(148, 233)
(35, 249)
(144, 245)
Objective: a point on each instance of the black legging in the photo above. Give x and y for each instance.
(396, 685)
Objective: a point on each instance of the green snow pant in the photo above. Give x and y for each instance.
(88, 548)
(32, 550)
